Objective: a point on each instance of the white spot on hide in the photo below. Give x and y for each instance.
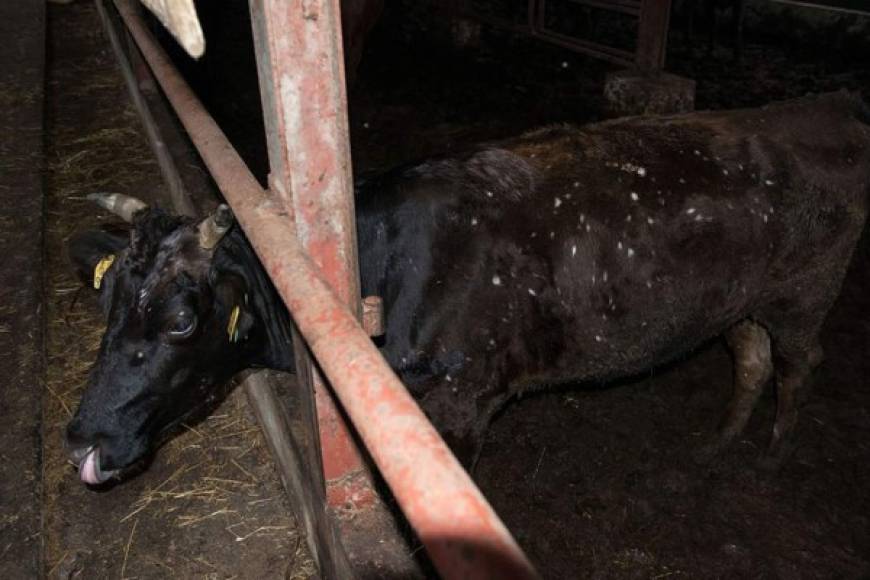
(496, 280)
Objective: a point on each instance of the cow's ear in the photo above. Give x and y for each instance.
(92, 252)
(232, 308)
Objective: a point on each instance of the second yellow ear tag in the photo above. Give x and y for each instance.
(100, 270)
(233, 325)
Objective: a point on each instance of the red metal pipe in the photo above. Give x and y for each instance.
(302, 87)
(460, 530)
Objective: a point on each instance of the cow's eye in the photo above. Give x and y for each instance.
(181, 325)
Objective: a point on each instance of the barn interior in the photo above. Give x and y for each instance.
(593, 481)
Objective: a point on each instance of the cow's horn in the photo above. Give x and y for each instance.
(118, 203)
(213, 228)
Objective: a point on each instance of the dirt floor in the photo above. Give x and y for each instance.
(594, 483)
(22, 317)
(210, 505)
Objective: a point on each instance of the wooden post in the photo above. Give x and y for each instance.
(652, 35)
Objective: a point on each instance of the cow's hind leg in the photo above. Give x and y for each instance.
(750, 347)
(796, 357)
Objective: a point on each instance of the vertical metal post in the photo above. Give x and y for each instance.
(652, 35)
(301, 70)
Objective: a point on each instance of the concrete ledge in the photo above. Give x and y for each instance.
(630, 92)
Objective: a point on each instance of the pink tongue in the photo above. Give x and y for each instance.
(88, 470)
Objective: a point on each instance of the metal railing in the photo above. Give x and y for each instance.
(652, 30)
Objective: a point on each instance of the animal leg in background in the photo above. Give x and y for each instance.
(753, 366)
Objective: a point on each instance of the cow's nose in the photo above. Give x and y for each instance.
(77, 442)
(76, 454)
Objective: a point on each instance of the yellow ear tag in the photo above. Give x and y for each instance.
(100, 270)
(233, 325)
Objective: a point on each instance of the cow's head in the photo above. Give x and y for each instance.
(185, 311)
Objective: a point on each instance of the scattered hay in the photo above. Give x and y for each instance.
(13, 93)
(127, 550)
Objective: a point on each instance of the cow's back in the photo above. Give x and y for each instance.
(596, 252)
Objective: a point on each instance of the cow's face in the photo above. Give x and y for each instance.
(176, 329)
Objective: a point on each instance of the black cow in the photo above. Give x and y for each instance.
(564, 255)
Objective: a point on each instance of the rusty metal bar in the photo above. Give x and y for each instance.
(537, 15)
(825, 7)
(463, 535)
(164, 160)
(652, 31)
(630, 7)
(300, 65)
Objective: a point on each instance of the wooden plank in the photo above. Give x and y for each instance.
(180, 19)
(652, 35)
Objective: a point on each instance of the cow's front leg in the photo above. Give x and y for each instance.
(753, 366)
